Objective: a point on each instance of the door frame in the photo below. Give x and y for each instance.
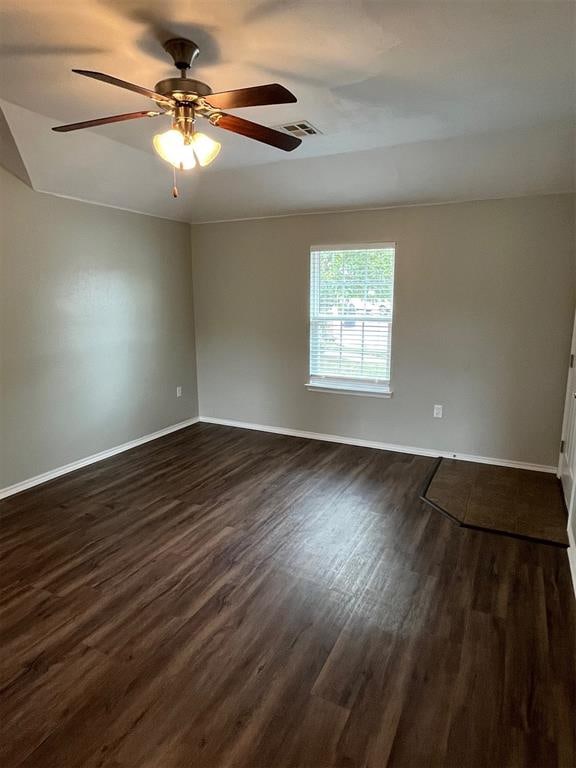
(568, 394)
(571, 503)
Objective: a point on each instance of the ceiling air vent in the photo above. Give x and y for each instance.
(301, 129)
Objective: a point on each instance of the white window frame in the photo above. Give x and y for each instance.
(347, 386)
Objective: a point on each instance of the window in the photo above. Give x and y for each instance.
(351, 300)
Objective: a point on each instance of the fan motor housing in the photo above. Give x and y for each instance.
(182, 50)
(183, 88)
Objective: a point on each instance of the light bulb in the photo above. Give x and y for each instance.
(172, 148)
(205, 148)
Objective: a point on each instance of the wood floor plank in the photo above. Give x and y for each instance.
(231, 599)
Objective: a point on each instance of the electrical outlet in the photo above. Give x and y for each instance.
(437, 411)
(178, 391)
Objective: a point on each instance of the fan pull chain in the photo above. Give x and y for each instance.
(175, 187)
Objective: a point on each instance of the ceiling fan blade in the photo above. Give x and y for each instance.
(158, 97)
(104, 120)
(260, 95)
(256, 131)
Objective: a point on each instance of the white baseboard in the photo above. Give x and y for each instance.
(572, 557)
(53, 473)
(380, 446)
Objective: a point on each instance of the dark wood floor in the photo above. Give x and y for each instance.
(513, 501)
(230, 598)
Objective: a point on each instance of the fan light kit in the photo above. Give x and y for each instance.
(185, 100)
(182, 152)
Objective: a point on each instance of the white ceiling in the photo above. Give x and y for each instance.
(417, 101)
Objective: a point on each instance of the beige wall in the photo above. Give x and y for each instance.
(484, 301)
(96, 329)
(97, 326)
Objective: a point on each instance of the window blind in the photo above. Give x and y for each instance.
(351, 309)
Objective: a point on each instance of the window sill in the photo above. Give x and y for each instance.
(348, 390)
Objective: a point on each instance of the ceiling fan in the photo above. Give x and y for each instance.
(185, 99)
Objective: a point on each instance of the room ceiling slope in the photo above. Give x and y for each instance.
(416, 102)
(90, 167)
(10, 157)
(532, 161)
(367, 73)
(87, 166)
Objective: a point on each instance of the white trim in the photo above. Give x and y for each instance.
(568, 394)
(572, 558)
(328, 248)
(380, 446)
(323, 382)
(333, 389)
(54, 473)
(73, 466)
